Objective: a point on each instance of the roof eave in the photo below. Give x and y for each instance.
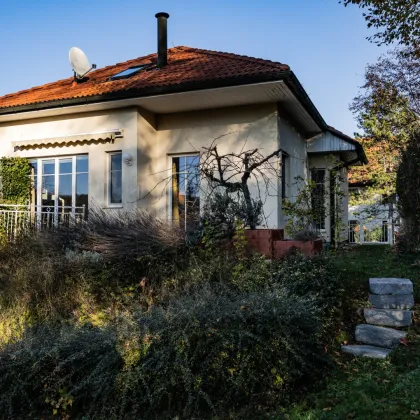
(359, 148)
(287, 76)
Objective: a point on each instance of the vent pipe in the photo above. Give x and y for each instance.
(162, 19)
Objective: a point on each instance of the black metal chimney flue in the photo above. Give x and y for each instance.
(162, 19)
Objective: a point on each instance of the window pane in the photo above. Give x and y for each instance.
(318, 197)
(66, 166)
(82, 190)
(116, 162)
(34, 167)
(65, 190)
(192, 162)
(48, 190)
(82, 164)
(116, 187)
(186, 191)
(48, 167)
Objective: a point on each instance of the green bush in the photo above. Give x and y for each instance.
(315, 279)
(15, 180)
(58, 371)
(202, 354)
(150, 335)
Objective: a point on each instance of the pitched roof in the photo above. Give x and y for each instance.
(186, 67)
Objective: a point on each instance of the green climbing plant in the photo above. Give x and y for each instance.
(308, 209)
(15, 180)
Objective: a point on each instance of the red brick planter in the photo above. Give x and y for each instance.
(307, 248)
(261, 240)
(271, 243)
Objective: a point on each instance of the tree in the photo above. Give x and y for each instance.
(400, 20)
(387, 109)
(233, 171)
(226, 183)
(408, 189)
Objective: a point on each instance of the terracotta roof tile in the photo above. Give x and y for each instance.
(185, 65)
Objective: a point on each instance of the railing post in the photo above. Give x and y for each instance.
(16, 222)
(390, 228)
(362, 231)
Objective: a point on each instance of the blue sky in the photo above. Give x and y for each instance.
(322, 41)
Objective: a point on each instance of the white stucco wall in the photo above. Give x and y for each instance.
(153, 139)
(183, 133)
(294, 144)
(98, 153)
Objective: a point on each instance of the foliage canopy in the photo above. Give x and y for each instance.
(399, 19)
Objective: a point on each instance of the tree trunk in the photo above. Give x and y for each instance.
(249, 206)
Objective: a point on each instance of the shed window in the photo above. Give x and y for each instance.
(318, 197)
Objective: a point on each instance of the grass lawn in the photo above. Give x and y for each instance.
(365, 388)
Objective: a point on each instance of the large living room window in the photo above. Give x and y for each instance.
(60, 185)
(185, 203)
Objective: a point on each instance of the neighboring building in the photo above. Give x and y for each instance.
(112, 137)
(373, 216)
(371, 221)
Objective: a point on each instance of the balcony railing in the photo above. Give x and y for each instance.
(17, 219)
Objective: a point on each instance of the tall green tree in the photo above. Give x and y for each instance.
(387, 110)
(408, 189)
(397, 20)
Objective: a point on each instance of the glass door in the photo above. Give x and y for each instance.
(60, 190)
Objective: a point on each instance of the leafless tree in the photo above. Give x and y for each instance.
(233, 171)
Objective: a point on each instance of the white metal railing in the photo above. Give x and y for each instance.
(378, 232)
(17, 219)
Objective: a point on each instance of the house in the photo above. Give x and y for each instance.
(113, 136)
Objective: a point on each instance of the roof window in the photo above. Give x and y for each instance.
(131, 71)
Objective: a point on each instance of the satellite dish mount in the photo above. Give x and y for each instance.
(79, 63)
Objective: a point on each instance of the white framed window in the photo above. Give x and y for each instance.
(185, 191)
(115, 179)
(60, 183)
(60, 189)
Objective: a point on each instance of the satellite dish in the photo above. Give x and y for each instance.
(80, 63)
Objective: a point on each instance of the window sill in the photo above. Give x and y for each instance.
(113, 206)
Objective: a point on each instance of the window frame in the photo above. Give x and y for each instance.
(171, 157)
(39, 179)
(284, 175)
(109, 179)
(322, 225)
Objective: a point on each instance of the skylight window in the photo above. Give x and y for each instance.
(131, 71)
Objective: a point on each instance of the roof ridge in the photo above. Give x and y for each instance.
(232, 55)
